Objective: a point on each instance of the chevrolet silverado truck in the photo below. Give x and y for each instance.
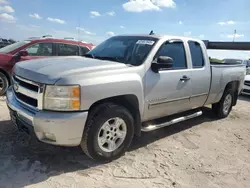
(126, 85)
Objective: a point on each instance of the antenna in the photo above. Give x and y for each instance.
(151, 32)
(234, 35)
(78, 29)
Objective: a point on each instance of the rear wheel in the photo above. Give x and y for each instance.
(224, 106)
(108, 132)
(4, 84)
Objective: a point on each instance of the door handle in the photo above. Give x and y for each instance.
(184, 78)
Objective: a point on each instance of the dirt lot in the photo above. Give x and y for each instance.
(203, 152)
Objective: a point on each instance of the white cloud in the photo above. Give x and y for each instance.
(188, 33)
(110, 33)
(232, 35)
(7, 9)
(122, 27)
(164, 3)
(28, 27)
(94, 14)
(85, 31)
(35, 15)
(201, 36)
(56, 20)
(226, 23)
(80, 28)
(180, 22)
(3, 2)
(7, 18)
(111, 13)
(89, 33)
(236, 36)
(147, 5)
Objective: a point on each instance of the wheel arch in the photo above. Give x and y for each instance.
(130, 102)
(6, 74)
(234, 86)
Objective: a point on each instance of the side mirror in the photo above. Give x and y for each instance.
(23, 53)
(162, 63)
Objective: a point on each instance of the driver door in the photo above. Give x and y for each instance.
(168, 92)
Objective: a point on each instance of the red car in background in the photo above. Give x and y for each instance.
(36, 48)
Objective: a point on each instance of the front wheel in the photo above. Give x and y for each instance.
(4, 84)
(224, 106)
(108, 132)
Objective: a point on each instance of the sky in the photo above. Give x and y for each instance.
(96, 20)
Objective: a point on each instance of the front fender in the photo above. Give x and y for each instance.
(98, 88)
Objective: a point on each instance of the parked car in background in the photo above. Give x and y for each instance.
(2, 43)
(121, 88)
(232, 61)
(246, 87)
(247, 63)
(33, 49)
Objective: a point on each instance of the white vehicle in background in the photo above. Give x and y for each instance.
(246, 87)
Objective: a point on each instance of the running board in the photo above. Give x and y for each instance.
(149, 128)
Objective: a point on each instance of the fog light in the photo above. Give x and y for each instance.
(50, 136)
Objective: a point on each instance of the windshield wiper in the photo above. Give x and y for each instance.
(89, 55)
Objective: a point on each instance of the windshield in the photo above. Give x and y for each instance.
(13, 46)
(125, 49)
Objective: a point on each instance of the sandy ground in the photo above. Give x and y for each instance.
(203, 152)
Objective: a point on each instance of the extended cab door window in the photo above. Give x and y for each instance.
(176, 51)
(40, 49)
(201, 75)
(196, 54)
(67, 50)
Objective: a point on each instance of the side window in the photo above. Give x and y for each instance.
(40, 49)
(196, 54)
(176, 51)
(84, 50)
(67, 50)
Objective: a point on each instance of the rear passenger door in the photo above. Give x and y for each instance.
(200, 74)
(67, 50)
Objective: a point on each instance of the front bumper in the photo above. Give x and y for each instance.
(246, 90)
(57, 128)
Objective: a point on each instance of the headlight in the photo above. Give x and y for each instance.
(62, 98)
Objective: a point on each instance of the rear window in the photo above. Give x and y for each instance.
(196, 54)
(13, 46)
(67, 50)
(84, 50)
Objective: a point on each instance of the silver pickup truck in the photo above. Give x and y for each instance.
(122, 87)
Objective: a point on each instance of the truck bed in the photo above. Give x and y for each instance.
(222, 74)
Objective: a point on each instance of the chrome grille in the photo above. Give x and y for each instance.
(28, 92)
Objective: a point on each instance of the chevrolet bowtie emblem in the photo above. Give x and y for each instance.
(16, 87)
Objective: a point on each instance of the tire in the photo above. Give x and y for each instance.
(4, 84)
(95, 130)
(219, 108)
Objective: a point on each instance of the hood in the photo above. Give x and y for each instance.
(49, 70)
(5, 58)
